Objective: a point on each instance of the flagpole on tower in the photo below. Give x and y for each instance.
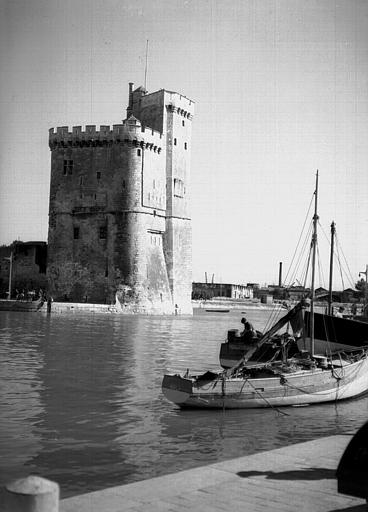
(145, 70)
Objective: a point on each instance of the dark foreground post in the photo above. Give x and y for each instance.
(352, 471)
(30, 494)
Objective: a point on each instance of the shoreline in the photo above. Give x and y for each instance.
(209, 306)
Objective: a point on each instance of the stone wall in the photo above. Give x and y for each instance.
(173, 113)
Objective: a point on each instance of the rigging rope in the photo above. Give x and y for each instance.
(343, 269)
(300, 236)
(306, 269)
(320, 268)
(299, 261)
(349, 274)
(342, 278)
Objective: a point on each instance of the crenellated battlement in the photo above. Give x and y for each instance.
(179, 104)
(180, 111)
(129, 132)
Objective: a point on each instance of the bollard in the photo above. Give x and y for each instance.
(31, 494)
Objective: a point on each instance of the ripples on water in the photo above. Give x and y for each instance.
(81, 400)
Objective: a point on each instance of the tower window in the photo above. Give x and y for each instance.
(183, 123)
(178, 188)
(98, 175)
(185, 145)
(81, 180)
(174, 142)
(103, 232)
(76, 233)
(123, 183)
(68, 167)
(138, 152)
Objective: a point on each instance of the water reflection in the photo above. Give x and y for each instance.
(20, 401)
(85, 383)
(81, 400)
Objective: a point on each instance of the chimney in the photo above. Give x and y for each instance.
(130, 104)
(280, 274)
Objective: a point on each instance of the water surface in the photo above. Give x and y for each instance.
(81, 401)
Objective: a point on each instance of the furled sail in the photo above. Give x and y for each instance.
(337, 330)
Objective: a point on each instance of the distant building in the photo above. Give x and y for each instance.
(350, 295)
(28, 267)
(254, 286)
(296, 293)
(119, 222)
(207, 291)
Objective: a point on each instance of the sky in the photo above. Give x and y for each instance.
(280, 90)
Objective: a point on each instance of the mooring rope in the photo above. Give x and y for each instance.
(267, 402)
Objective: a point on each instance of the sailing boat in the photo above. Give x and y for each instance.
(334, 333)
(305, 378)
(331, 333)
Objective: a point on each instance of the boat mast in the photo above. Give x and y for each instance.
(314, 247)
(329, 311)
(10, 259)
(365, 305)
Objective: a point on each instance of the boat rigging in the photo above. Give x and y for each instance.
(322, 373)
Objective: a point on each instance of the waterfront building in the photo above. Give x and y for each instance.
(119, 221)
(22, 269)
(228, 290)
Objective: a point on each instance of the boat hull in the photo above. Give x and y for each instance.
(213, 310)
(232, 352)
(19, 305)
(287, 389)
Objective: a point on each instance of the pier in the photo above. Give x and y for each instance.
(300, 477)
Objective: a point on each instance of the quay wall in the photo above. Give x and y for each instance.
(74, 307)
(297, 477)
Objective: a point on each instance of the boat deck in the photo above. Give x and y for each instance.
(299, 477)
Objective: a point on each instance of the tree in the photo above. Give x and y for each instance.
(361, 286)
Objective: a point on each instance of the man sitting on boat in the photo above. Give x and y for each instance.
(340, 312)
(249, 334)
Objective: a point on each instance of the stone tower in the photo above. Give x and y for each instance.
(119, 225)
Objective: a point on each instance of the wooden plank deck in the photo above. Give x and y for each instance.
(299, 477)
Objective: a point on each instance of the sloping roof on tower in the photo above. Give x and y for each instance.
(141, 89)
(133, 120)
